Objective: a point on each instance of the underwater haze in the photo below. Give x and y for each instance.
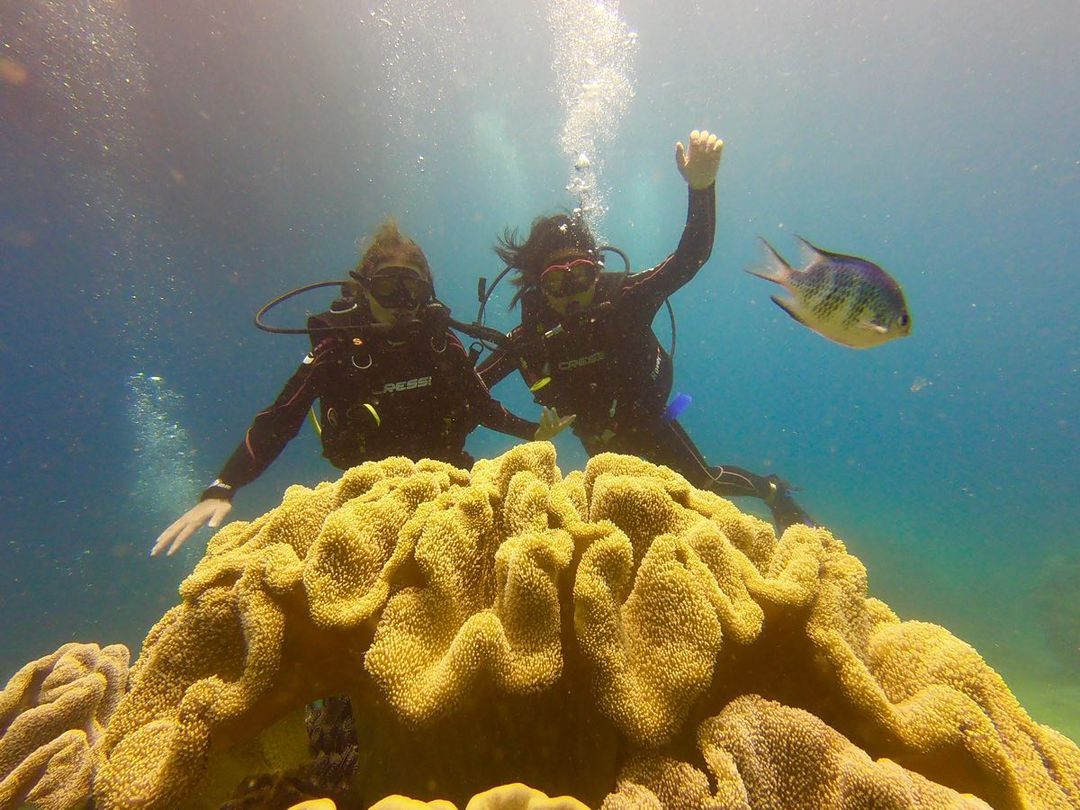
(166, 168)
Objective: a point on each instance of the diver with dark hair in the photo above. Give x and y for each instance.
(391, 378)
(586, 345)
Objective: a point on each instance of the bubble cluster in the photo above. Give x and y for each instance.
(422, 42)
(163, 468)
(87, 57)
(593, 66)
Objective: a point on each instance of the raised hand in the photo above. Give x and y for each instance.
(551, 424)
(699, 164)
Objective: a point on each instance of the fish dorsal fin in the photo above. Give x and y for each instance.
(812, 252)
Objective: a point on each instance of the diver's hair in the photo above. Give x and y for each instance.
(548, 235)
(388, 243)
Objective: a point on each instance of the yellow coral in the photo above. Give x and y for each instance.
(399, 802)
(53, 714)
(514, 624)
(788, 758)
(521, 797)
(505, 797)
(765, 755)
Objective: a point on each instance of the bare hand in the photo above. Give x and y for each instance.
(211, 512)
(700, 165)
(551, 424)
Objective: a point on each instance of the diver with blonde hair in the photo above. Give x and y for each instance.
(390, 376)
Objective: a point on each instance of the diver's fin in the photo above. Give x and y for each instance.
(775, 269)
(789, 306)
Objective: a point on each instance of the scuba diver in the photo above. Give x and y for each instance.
(391, 378)
(586, 345)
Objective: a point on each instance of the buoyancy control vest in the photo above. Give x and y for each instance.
(391, 395)
(604, 363)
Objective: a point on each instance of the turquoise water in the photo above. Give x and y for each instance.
(164, 170)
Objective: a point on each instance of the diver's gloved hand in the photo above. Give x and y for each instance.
(211, 512)
(785, 510)
(551, 424)
(700, 164)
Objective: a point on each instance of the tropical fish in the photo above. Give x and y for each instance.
(846, 299)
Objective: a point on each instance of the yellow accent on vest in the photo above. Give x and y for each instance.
(771, 497)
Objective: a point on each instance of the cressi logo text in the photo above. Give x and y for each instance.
(578, 362)
(406, 385)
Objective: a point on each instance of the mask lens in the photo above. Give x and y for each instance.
(552, 280)
(383, 287)
(398, 291)
(418, 290)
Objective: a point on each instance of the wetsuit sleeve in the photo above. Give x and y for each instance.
(500, 363)
(272, 428)
(492, 413)
(693, 251)
(499, 419)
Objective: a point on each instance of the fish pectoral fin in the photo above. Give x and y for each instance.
(871, 326)
(789, 307)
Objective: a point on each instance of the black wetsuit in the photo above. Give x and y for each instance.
(419, 398)
(606, 365)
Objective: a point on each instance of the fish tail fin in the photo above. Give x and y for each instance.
(774, 268)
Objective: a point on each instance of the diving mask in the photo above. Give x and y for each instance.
(570, 278)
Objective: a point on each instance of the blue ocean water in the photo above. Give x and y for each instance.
(167, 168)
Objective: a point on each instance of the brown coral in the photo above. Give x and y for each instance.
(511, 624)
(53, 714)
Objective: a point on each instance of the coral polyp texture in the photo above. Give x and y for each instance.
(53, 714)
(612, 635)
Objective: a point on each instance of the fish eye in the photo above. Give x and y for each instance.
(904, 319)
